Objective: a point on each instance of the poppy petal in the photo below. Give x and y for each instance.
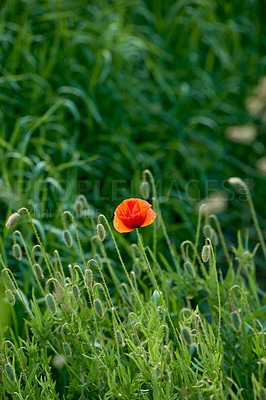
(150, 217)
(120, 226)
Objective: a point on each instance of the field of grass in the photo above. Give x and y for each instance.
(92, 93)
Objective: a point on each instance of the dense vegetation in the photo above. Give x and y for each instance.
(92, 93)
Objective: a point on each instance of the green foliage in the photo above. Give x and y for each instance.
(166, 333)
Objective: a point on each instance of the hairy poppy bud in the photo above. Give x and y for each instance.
(12, 220)
(119, 339)
(67, 349)
(50, 301)
(187, 335)
(100, 232)
(17, 252)
(67, 237)
(78, 207)
(38, 271)
(98, 308)
(75, 291)
(10, 298)
(145, 189)
(189, 269)
(236, 321)
(10, 372)
(206, 252)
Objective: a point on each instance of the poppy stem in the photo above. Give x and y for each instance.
(102, 217)
(156, 284)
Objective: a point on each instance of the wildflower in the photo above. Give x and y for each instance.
(133, 213)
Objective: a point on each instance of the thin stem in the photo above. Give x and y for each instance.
(218, 292)
(219, 229)
(101, 216)
(156, 284)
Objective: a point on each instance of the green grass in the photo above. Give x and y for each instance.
(91, 94)
(172, 328)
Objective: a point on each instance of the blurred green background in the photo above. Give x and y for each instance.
(93, 92)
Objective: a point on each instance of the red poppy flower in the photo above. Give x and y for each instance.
(133, 213)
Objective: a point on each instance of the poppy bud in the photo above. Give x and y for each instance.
(78, 207)
(12, 220)
(145, 189)
(17, 252)
(10, 372)
(75, 291)
(187, 335)
(189, 269)
(38, 271)
(100, 232)
(206, 252)
(67, 349)
(51, 304)
(67, 237)
(98, 308)
(168, 355)
(88, 277)
(236, 321)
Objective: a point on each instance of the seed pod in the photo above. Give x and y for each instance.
(12, 220)
(10, 298)
(187, 335)
(67, 349)
(10, 372)
(236, 321)
(51, 304)
(206, 252)
(98, 308)
(67, 237)
(78, 207)
(189, 269)
(167, 355)
(38, 271)
(88, 277)
(119, 339)
(17, 252)
(100, 232)
(75, 291)
(145, 189)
